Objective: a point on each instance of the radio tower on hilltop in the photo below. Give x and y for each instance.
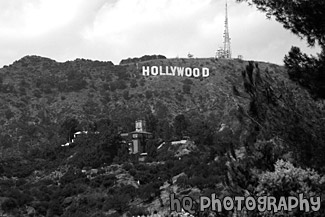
(226, 37)
(225, 52)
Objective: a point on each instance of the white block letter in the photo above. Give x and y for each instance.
(205, 72)
(154, 70)
(145, 70)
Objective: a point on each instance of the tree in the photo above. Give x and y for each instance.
(288, 180)
(97, 149)
(126, 95)
(180, 125)
(148, 94)
(151, 148)
(69, 127)
(8, 205)
(152, 122)
(305, 19)
(201, 132)
(133, 83)
(186, 89)
(164, 130)
(307, 71)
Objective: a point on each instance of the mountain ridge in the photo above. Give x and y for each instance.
(87, 88)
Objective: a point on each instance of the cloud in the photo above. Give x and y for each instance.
(117, 29)
(42, 27)
(258, 38)
(146, 26)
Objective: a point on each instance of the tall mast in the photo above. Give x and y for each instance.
(226, 43)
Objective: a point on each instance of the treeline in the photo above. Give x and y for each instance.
(142, 59)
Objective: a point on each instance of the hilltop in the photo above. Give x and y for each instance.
(42, 94)
(43, 102)
(36, 90)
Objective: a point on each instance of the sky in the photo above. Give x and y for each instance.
(112, 30)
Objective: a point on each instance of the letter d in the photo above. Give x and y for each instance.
(205, 72)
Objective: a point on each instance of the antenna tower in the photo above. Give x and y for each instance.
(226, 42)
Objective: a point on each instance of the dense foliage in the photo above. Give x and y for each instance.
(309, 72)
(305, 19)
(234, 123)
(141, 59)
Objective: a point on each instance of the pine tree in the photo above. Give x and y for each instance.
(305, 19)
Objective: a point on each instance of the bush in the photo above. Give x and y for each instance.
(79, 214)
(142, 82)
(106, 86)
(186, 88)
(287, 180)
(127, 166)
(8, 205)
(138, 211)
(307, 71)
(120, 84)
(183, 181)
(56, 207)
(188, 81)
(68, 177)
(41, 207)
(126, 94)
(118, 202)
(149, 191)
(133, 83)
(148, 94)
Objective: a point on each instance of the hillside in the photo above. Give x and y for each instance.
(43, 102)
(39, 92)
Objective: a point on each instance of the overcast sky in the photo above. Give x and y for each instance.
(117, 29)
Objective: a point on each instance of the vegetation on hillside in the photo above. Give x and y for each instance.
(251, 131)
(234, 119)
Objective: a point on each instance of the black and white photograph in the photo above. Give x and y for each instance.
(162, 108)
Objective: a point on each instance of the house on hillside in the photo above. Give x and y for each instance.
(78, 134)
(137, 139)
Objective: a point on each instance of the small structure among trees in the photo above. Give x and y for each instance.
(137, 139)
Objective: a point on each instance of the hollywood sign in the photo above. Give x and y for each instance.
(175, 71)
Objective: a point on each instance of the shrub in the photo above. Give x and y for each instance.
(133, 83)
(8, 205)
(106, 86)
(186, 88)
(126, 95)
(188, 81)
(148, 94)
(142, 82)
(287, 180)
(120, 84)
(149, 191)
(127, 166)
(118, 202)
(41, 207)
(138, 211)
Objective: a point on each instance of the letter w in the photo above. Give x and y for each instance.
(180, 71)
